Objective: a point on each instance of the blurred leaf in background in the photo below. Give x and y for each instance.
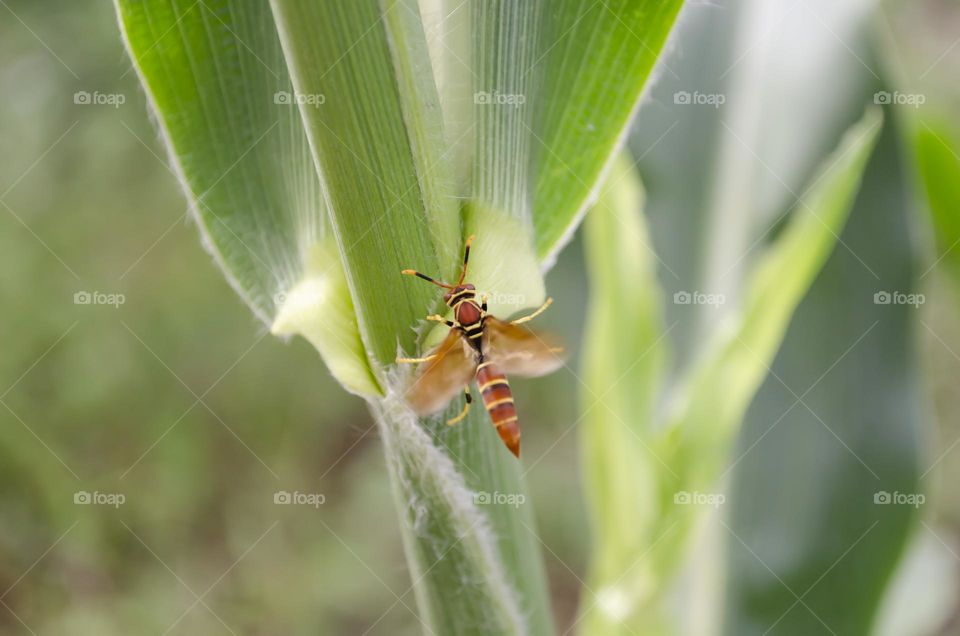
(660, 468)
(920, 55)
(748, 169)
(831, 447)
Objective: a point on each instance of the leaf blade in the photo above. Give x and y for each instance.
(825, 462)
(724, 382)
(216, 78)
(597, 59)
(623, 367)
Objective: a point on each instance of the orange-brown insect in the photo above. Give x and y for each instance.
(483, 346)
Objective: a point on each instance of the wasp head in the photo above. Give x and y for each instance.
(458, 293)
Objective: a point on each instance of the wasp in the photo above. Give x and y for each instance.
(481, 347)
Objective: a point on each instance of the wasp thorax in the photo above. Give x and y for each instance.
(458, 293)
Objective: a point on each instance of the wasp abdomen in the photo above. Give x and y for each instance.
(498, 400)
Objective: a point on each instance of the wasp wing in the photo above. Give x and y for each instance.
(520, 351)
(439, 379)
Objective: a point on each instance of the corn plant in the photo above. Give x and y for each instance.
(325, 146)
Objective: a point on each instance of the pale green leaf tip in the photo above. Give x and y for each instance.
(503, 262)
(319, 308)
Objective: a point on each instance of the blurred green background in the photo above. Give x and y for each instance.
(179, 400)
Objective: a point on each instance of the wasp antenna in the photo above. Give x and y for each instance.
(413, 272)
(466, 259)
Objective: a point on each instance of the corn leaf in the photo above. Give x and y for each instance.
(623, 368)
(826, 464)
(217, 81)
(327, 146)
(595, 59)
(683, 450)
(938, 161)
(741, 158)
(341, 55)
(712, 405)
(476, 570)
(747, 141)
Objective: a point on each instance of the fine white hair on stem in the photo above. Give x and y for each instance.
(431, 490)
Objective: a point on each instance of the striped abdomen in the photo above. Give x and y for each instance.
(498, 400)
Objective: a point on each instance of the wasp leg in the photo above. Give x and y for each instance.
(437, 318)
(415, 360)
(466, 407)
(543, 308)
(483, 303)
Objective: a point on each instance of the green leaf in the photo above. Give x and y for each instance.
(372, 171)
(746, 156)
(505, 35)
(838, 421)
(504, 49)
(938, 162)
(313, 202)
(217, 82)
(740, 160)
(624, 356)
(637, 461)
(710, 408)
(595, 59)
(475, 570)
